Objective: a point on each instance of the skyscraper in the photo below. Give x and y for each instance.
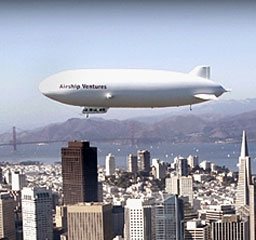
(167, 220)
(90, 221)
(143, 161)
(138, 219)
(246, 187)
(37, 213)
(110, 164)
(7, 222)
(79, 172)
(244, 175)
(132, 163)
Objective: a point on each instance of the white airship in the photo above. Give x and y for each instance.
(96, 90)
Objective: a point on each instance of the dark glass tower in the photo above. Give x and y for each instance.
(79, 172)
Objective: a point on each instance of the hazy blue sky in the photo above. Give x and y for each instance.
(40, 39)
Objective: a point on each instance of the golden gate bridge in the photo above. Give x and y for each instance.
(14, 142)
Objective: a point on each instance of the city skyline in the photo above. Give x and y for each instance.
(182, 198)
(39, 40)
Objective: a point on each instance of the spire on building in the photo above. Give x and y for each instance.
(244, 148)
(244, 175)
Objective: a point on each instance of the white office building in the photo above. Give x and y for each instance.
(37, 214)
(18, 181)
(110, 164)
(138, 220)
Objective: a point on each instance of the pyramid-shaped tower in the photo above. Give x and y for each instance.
(244, 177)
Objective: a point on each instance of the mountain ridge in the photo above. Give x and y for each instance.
(189, 128)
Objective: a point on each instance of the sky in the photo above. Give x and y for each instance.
(40, 38)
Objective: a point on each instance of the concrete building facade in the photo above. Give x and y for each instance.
(90, 221)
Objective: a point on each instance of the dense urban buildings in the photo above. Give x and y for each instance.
(79, 171)
(167, 200)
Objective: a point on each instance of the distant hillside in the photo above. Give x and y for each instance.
(177, 129)
(209, 109)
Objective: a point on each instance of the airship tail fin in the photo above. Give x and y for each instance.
(201, 71)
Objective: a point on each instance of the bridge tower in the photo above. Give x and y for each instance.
(131, 133)
(14, 141)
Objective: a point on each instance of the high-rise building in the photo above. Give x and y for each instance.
(181, 166)
(193, 161)
(132, 163)
(159, 168)
(90, 221)
(138, 219)
(180, 185)
(7, 221)
(230, 228)
(197, 230)
(244, 175)
(18, 181)
(37, 213)
(143, 161)
(79, 172)
(110, 164)
(167, 219)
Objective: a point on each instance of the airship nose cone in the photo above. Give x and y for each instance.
(47, 88)
(44, 88)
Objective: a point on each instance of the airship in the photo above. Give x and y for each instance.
(97, 90)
